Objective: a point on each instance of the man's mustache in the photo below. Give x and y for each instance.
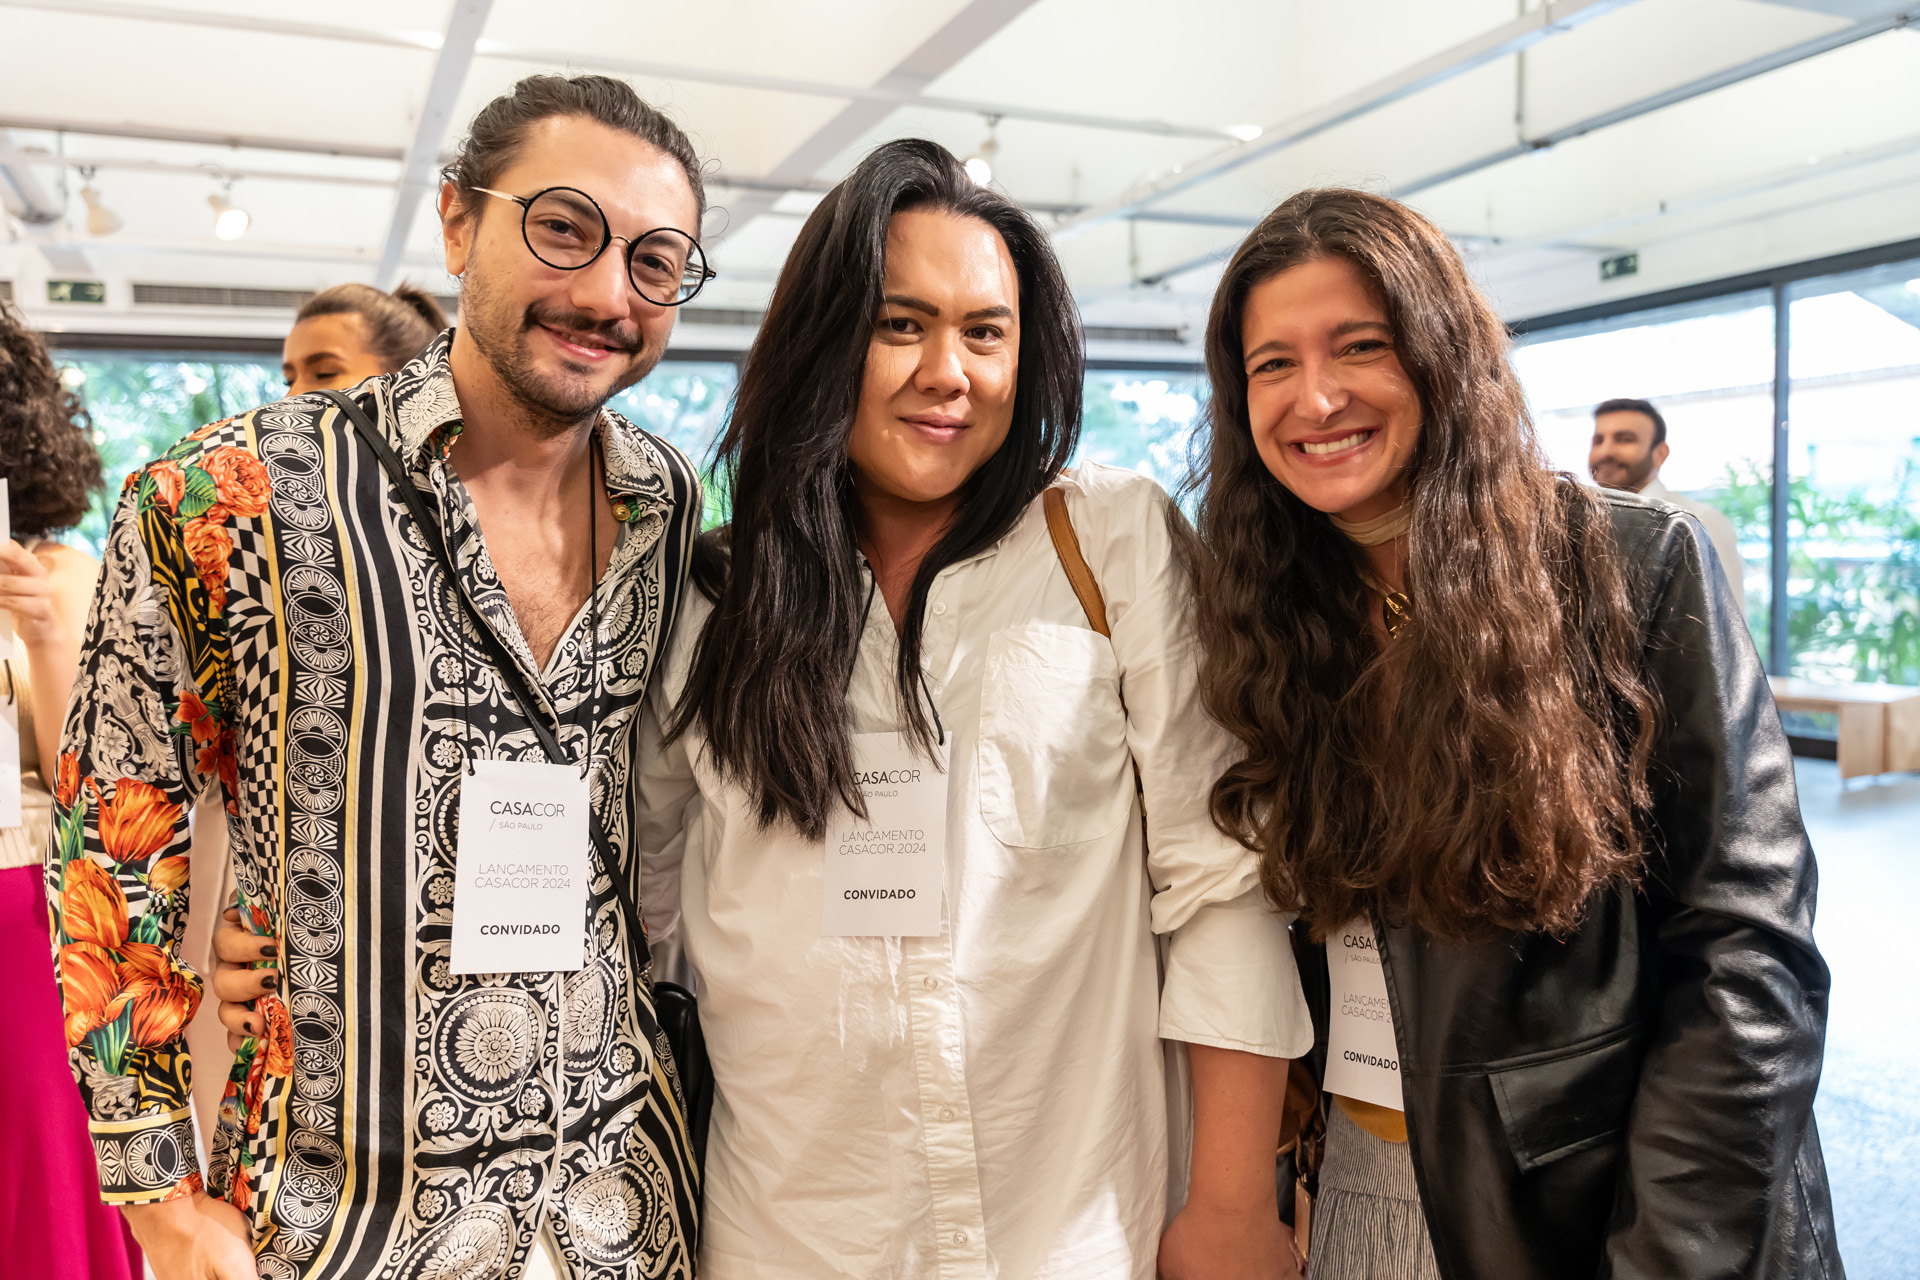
(622, 337)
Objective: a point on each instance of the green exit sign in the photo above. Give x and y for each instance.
(77, 291)
(1627, 264)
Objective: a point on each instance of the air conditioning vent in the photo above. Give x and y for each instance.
(6, 291)
(1114, 333)
(733, 317)
(203, 295)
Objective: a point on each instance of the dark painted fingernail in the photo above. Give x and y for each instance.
(269, 952)
(269, 980)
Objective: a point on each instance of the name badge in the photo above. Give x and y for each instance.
(520, 873)
(885, 875)
(1363, 1061)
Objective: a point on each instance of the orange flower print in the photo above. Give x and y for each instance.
(192, 1184)
(89, 989)
(239, 481)
(169, 484)
(194, 714)
(137, 821)
(66, 781)
(230, 775)
(211, 546)
(168, 874)
(201, 433)
(253, 1093)
(277, 1048)
(164, 998)
(92, 907)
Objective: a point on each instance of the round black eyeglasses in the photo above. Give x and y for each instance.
(566, 229)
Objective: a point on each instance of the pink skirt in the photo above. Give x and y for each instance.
(51, 1219)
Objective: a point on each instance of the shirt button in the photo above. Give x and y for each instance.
(959, 1237)
(939, 609)
(947, 1113)
(930, 983)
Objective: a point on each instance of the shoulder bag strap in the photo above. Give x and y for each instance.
(429, 527)
(1066, 545)
(504, 665)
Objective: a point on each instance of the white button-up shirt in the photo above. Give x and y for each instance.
(991, 1101)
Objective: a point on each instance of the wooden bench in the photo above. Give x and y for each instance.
(1879, 723)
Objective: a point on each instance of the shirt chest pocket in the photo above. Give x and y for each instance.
(1053, 762)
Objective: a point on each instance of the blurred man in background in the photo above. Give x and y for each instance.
(1629, 448)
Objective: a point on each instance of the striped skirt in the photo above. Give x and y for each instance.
(1367, 1220)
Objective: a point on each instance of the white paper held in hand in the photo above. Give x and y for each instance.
(10, 798)
(6, 532)
(1363, 1062)
(520, 880)
(885, 874)
(10, 815)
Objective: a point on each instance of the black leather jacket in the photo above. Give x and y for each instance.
(1637, 1101)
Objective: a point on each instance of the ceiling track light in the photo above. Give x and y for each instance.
(979, 165)
(230, 221)
(101, 221)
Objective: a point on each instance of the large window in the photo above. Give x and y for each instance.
(1141, 419)
(143, 401)
(1708, 366)
(1854, 462)
(1840, 544)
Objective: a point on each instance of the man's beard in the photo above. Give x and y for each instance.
(1638, 473)
(554, 405)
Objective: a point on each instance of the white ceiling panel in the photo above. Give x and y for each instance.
(1095, 98)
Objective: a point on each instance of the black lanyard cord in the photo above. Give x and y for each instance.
(596, 655)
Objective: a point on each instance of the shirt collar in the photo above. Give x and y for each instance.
(427, 418)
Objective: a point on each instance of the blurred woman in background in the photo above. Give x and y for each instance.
(353, 332)
(1506, 744)
(51, 1218)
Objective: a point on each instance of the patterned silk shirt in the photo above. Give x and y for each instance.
(270, 623)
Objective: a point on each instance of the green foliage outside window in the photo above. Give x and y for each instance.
(1853, 574)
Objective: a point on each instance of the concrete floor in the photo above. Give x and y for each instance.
(1866, 834)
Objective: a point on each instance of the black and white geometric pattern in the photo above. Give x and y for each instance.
(430, 1122)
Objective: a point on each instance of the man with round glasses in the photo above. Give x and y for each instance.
(354, 618)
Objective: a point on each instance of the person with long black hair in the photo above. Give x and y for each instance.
(1505, 742)
(893, 654)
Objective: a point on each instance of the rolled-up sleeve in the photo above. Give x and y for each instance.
(1230, 979)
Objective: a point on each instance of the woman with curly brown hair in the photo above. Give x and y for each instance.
(50, 1211)
(1506, 745)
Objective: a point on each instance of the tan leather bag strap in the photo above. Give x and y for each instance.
(1066, 545)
